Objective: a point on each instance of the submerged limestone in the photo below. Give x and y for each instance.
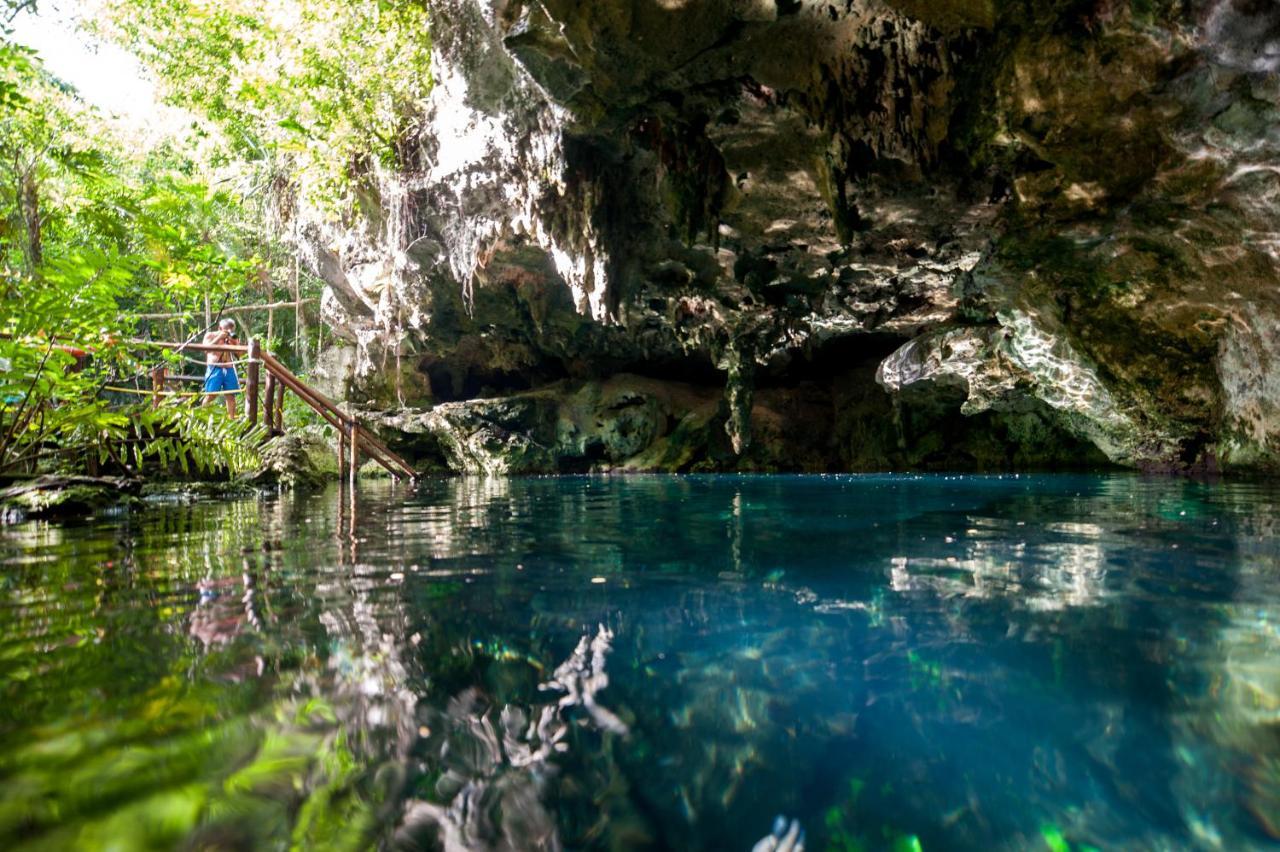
(1046, 228)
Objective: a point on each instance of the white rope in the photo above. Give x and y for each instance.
(141, 392)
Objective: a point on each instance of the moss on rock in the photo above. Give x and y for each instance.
(64, 496)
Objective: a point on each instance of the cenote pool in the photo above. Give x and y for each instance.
(898, 662)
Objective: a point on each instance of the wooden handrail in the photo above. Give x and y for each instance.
(251, 398)
(347, 426)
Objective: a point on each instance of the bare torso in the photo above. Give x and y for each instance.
(215, 338)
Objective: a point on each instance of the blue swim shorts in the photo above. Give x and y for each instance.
(220, 379)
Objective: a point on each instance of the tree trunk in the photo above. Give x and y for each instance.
(300, 313)
(31, 218)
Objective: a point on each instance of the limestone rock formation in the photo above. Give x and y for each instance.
(828, 235)
(58, 496)
(301, 459)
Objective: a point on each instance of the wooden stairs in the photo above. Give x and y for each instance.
(353, 438)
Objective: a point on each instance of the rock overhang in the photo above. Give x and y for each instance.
(738, 183)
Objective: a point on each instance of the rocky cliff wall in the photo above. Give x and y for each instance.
(867, 234)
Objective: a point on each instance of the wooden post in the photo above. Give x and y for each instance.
(157, 385)
(277, 406)
(342, 453)
(277, 422)
(251, 384)
(270, 395)
(354, 441)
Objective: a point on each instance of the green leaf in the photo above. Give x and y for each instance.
(292, 124)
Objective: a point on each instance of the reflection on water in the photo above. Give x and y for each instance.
(651, 662)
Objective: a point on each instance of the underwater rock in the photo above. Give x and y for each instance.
(785, 837)
(493, 768)
(1063, 209)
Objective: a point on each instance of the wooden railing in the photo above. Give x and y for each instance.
(353, 438)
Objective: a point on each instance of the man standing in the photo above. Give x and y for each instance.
(219, 373)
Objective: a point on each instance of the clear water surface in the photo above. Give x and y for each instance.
(899, 662)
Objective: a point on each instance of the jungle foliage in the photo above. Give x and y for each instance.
(90, 236)
(317, 92)
(105, 236)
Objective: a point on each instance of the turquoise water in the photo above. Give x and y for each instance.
(898, 662)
